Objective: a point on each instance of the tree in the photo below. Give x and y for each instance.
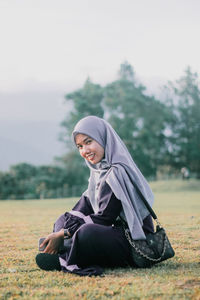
(25, 181)
(85, 101)
(185, 141)
(139, 119)
(8, 186)
(77, 173)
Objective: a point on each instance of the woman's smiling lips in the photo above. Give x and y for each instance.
(90, 156)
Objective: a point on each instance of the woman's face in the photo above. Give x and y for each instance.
(89, 148)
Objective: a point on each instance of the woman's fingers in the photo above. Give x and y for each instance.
(44, 242)
(50, 249)
(53, 241)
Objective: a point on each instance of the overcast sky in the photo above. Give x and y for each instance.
(49, 47)
(61, 42)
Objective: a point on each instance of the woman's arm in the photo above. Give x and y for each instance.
(72, 223)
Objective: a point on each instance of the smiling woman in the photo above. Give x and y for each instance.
(89, 148)
(91, 236)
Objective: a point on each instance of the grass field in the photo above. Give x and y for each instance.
(23, 222)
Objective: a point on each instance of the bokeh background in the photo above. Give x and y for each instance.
(133, 62)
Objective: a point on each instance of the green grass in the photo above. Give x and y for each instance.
(23, 222)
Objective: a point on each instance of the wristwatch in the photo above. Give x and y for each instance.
(67, 234)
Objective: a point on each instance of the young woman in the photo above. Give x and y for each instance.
(92, 231)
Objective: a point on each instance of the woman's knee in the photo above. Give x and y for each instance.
(86, 232)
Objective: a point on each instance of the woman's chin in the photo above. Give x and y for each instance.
(94, 161)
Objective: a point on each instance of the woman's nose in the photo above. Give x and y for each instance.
(86, 150)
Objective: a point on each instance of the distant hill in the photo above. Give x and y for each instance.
(29, 141)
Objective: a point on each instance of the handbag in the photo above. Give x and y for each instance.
(156, 247)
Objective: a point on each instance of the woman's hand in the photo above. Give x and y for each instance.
(53, 242)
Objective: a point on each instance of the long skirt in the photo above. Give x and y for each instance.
(92, 247)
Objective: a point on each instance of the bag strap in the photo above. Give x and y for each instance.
(146, 203)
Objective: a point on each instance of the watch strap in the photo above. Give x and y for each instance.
(66, 234)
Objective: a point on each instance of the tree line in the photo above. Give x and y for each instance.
(26, 181)
(162, 135)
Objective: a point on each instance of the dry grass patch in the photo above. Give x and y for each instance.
(22, 222)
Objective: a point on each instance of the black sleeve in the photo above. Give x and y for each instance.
(73, 222)
(84, 206)
(109, 207)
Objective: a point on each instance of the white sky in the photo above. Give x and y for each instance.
(61, 42)
(48, 48)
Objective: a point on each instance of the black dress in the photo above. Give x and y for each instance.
(98, 240)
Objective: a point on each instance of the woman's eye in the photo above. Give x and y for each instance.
(88, 142)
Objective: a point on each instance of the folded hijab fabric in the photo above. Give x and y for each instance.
(118, 169)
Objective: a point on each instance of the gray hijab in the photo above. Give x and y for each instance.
(119, 171)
